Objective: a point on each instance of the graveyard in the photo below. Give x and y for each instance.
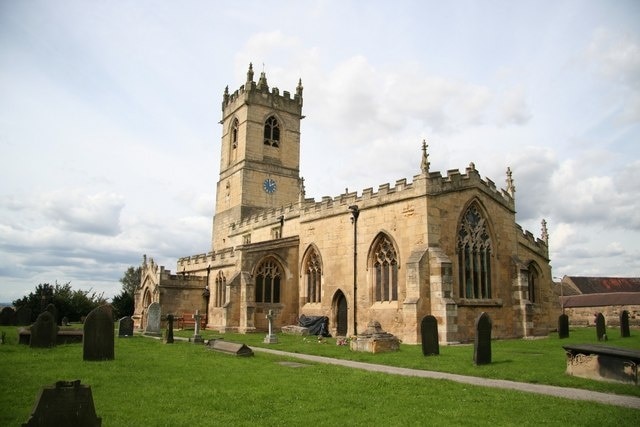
(151, 382)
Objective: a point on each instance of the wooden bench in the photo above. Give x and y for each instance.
(187, 321)
(603, 362)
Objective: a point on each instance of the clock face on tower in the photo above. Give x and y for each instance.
(269, 185)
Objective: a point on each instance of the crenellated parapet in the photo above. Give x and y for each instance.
(202, 261)
(259, 93)
(537, 245)
(456, 181)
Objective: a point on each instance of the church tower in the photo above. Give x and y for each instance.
(259, 154)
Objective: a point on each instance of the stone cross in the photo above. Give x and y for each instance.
(196, 328)
(271, 338)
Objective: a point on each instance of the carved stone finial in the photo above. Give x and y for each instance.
(225, 97)
(299, 88)
(144, 260)
(250, 73)
(511, 189)
(472, 166)
(545, 232)
(424, 165)
(302, 190)
(262, 82)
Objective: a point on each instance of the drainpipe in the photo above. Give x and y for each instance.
(355, 212)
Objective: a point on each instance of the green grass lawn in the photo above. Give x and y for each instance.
(154, 384)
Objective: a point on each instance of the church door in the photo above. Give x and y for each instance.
(341, 307)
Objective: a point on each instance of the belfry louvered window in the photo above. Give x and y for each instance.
(474, 256)
(272, 132)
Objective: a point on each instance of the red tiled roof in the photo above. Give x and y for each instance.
(600, 300)
(600, 285)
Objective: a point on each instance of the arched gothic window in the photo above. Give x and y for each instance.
(272, 132)
(533, 279)
(313, 271)
(234, 134)
(385, 270)
(221, 290)
(474, 256)
(268, 282)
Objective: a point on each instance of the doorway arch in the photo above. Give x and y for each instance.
(340, 309)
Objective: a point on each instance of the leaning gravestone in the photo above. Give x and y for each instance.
(429, 332)
(23, 316)
(482, 343)
(153, 320)
(7, 316)
(98, 342)
(125, 327)
(44, 332)
(563, 326)
(54, 311)
(168, 339)
(65, 403)
(624, 324)
(601, 331)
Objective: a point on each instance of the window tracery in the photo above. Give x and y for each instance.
(272, 132)
(268, 277)
(313, 270)
(474, 256)
(385, 270)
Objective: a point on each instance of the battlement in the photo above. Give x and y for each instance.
(202, 261)
(266, 216)
(536, 244)
(455, 181)
(259, 93)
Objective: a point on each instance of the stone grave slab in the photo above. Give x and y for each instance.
(228, 347)
(601, 330)
(624, 324)
(563, 326)
(168, 338)
(7, 316)
(51, 308)
(98, 342)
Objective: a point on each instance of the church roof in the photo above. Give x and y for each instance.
(602, 285)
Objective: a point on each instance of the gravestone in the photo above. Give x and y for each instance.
(44, 332)
(601, 331)
(482, 343)
(624, 324)
(153, 320)
(23, 316)
(98, 341)
(125, 327)
(65, 321)
(429, 332)
(271, 338)
(53, 310)
(7, 316)
(168, 339)
(197, 339)
(65, 403)
(563, 326)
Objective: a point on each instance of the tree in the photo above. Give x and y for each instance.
(123, 303)
(70, 303)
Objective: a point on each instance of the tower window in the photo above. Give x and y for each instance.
(234, 134)
(272, 132)
(474, 256)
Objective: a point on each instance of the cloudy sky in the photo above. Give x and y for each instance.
(109, 111)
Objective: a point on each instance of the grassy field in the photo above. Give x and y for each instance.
(154, 384)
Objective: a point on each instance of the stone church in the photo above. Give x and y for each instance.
(447, 246)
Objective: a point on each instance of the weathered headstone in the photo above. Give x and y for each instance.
(168, 339)
(197, 338)
(23, 316)
(65, 403)
(44, 332)
(624, 324)
(271, 338)
(7, 316)
(98, 342)
(153, 320)
(53, 310)
(429, 332)
(563, 326)
(601, 331)
(65, 321)
(125, 327)
(482, 343)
